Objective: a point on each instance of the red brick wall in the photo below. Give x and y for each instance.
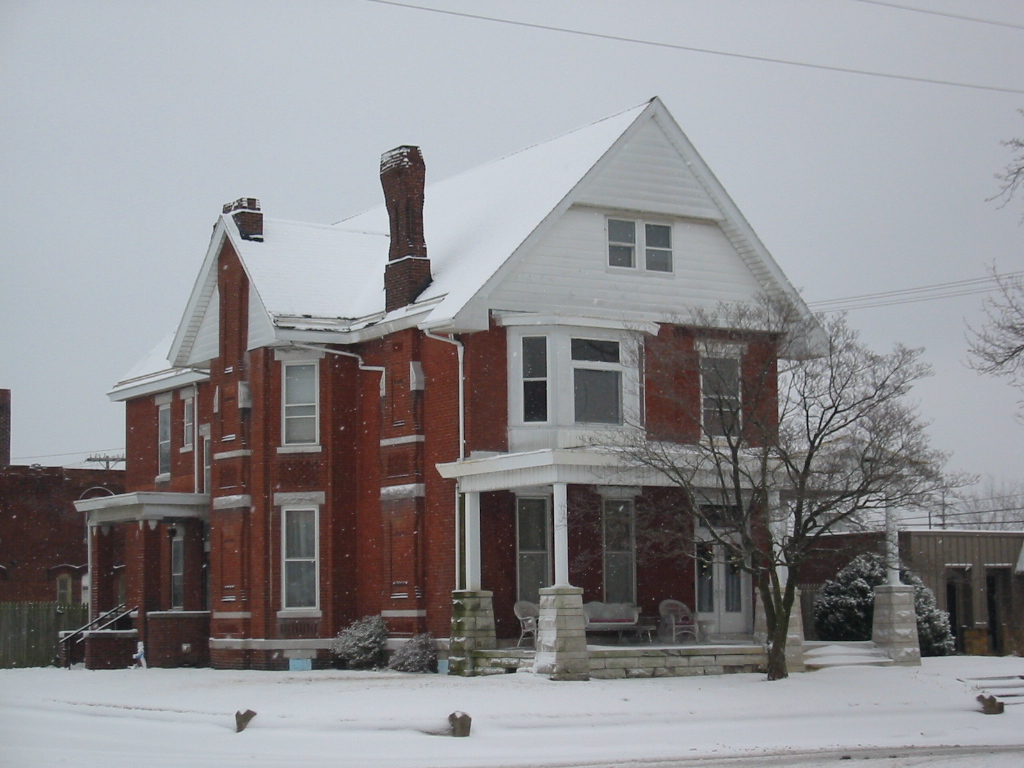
(486, 364)
(498, 557)
(176, 639)
(109, 652)
(40, 530)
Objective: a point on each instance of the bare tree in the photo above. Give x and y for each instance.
(1012, 176)
(779, 458)
(997, 348)
(993, 505)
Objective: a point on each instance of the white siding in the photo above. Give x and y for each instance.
(648, 174)
(568, 269)
(207, 343)
(261, 330)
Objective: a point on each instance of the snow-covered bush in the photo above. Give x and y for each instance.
(846, 607)
(417, 655)
(362, 645)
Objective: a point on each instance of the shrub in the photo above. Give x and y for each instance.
(417, 655)
(846, 607)
(362, 645)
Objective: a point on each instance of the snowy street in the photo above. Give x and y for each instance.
(158, 717)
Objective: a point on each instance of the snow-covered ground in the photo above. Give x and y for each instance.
(185, 717)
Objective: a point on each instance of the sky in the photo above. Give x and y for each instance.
(125, 126)
(896, 717)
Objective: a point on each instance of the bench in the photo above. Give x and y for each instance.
(611, 617)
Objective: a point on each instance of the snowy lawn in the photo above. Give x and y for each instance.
(185, 717)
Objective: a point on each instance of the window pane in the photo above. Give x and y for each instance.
(659, 261)
(597, 396)
(596, 351)
(733, 589)
(300, 430)
(618, 577)
(535, 400)
(300, 584)
(705, 579)
(535, 357)
(720, 380)
(533, 574)
(620, 255)
(300, 384)
(533, 525)
(300, 533)
(658, 236)
(620, 231)
(618, 534)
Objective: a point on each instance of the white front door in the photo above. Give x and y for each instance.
(723, 593)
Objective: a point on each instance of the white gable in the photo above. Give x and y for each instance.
(647, 173)
(206, 344)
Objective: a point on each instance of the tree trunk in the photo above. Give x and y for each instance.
(778, 613)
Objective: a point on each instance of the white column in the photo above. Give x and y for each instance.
(778, 525)
(473, 541)
(560, 514)
(892, 549)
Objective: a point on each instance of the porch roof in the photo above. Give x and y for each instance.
(144, 505)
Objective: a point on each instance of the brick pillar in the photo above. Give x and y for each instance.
(894, 629)
(472, 629)
(561, 635)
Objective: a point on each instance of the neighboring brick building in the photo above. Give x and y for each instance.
(361, 418)
(42, 536)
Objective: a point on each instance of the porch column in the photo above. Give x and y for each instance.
(560, 513)
(473, 541)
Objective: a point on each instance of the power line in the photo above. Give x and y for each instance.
(948, 290)
(72, 453)
(943, 14)
(695, 49)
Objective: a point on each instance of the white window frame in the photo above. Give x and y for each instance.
(285, 366)
(640, 245)
(597, 365)
(721, 351)
(285, 560)
(546, 378)
(605, 502)
(177, 542)
(188, 423)
(163, 440)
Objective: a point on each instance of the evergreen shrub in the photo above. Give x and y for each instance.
(417, 655)
(362, 645)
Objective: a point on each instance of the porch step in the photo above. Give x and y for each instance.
(822, 655)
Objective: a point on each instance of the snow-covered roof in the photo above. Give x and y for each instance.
(153, 373)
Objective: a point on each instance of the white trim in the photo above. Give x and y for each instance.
(300, 448)
(408, 491)
(237, 454)
(294, 610)
(163, 477)
(164, 398)
(404, 440)
(515, 319)
(263, 644)
(297, 355)
(299, 613)
(299, 498)
(232, 502)
(311, 360)
(232, 615)
(404, 614)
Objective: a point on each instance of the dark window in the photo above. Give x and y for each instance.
(621, 243)
(720, 385)
(535, 378)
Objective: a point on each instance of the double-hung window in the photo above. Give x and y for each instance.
(164, 439)
(597, 381)
(720, 390)
(535, 378)
(300, 555)
(627, 238)
(188, 422)
(534, 566)
(301, 422)
(619, 552)
(178, 570)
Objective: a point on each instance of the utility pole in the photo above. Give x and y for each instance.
(107, 461)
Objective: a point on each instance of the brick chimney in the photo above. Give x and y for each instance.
(248, 218)
(403, 175)
(5, 427)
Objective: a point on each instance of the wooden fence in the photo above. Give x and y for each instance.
(28, 631)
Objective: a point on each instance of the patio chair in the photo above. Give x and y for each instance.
(527, 614)
(676, 621)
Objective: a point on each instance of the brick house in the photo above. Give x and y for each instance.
(42, 537)
(395, 414)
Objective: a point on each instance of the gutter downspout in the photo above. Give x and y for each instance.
(461, 352)
(359, 359)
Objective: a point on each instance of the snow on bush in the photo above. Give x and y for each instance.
(846, 607)
(417, 655)
(362, 645)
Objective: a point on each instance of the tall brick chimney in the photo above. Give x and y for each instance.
(248, 218)
(403, 175)
(5, 427)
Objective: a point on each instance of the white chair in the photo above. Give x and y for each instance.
(527, 613)
(676, 621)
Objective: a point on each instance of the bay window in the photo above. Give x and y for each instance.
(597, 381)
(535, 378)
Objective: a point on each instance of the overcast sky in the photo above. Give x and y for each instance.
(125, 126)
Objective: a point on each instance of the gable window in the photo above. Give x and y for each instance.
(619, 552)
(720, 389)
(627, 238)
(300, 404)
(188, 423)
(535, 378)
(164, 440)
(533, 551)
(178, 569)
(597, 381)
(301, 568)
